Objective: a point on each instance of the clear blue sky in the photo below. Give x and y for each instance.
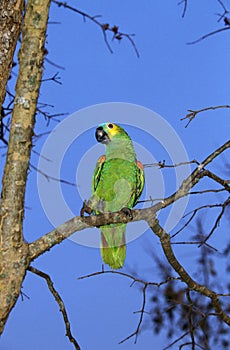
(168, 78)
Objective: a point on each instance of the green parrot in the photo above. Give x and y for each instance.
(118, 182)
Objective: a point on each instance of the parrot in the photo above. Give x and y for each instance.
(118, 181)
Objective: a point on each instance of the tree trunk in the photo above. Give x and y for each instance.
(13, 249)
(10, 24)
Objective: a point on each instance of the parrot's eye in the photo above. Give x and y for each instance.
(110, 126)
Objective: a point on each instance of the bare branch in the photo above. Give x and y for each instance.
(54, 64)
(54, 78)
(190, 320)
(209, 34)
(185, 225)
(63, 231)
(216, 178)
(162, 164)
(48, 177)
(217, 222)
(144, 290)
(152, 200)
(190, 116)
(105, 27)
(135, 279)
(208, 191)
(185, 2)
(176, 340)
(222, 4)
(196, 243)
(59, 301)
(224, 9)
(186, 278)
(203, 207)
(136, 332)
(194, 212)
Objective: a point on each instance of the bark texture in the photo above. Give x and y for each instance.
(10, 24)
(14, 251)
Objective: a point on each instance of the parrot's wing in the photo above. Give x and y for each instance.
(97, 172)
(140, 181)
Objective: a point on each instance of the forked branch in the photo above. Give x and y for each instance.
(185, 277)
(105, 27)
(59, 301)
(145, 285)
(193, 113)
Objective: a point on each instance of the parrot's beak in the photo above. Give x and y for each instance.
(101, 135)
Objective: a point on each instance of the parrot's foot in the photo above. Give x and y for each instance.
(101, 206)
(127, 212)
(85, 209)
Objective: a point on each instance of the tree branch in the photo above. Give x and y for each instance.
(162, 164)
(185, 2)
(209, 34)
(217, 222)
(193, 214)
(136, 332)
(185, 277)
(62, 232)
(59, 301)
(105, 27)
(144, 290)
(190, 116)
(225, 11)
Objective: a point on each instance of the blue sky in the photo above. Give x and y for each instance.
(168, 78)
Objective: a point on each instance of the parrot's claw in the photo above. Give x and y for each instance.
(85, 209)
(127, 212)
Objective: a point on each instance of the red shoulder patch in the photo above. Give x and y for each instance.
(101, 159)
(140, 165)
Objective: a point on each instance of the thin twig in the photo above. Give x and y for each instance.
(152, 200)
(54, 78)
(49, 177)
(59, 301)
(54, 64)
(195, 243)
(225, 10)
(135, 279)
(105, 27)
(208, 191)
(136, 332)
(209, 34)
(190, 319)
(190, 116)
(193, 213)
(39, 155)
(194, 345)
(161, 164)
(186, 278)
(144, 289)
(217, 222)
(176, 341)
(185, 6)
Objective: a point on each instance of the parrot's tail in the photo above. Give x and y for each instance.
(113, 247)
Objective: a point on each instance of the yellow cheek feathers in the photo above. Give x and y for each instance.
(112, 131)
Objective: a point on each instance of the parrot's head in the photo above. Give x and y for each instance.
(117, 141)
(108, 132)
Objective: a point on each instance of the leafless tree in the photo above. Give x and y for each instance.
(192, 304)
